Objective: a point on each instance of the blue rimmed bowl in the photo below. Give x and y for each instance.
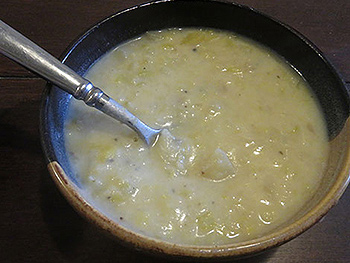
(296, 49)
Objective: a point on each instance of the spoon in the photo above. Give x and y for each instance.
(22, 50)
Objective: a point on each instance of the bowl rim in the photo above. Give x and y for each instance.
(235, 250)
(134, 239)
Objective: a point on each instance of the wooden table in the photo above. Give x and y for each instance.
(37, 224)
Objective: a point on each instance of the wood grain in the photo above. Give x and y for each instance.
(55, 24)
(38, 225)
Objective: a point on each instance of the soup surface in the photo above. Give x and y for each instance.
(244, 145)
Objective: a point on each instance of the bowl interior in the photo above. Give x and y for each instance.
(299, 52)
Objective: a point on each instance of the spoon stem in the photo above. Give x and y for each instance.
(22, 50)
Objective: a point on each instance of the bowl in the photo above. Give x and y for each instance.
(296, 49)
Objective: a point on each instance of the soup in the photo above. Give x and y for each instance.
(243, 149)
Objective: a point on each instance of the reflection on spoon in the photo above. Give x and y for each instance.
(20, 49)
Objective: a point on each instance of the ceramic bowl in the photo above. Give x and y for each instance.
(296, 49)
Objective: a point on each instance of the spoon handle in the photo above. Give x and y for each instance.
(22, 50)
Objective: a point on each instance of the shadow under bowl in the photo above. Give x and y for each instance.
(298, 51)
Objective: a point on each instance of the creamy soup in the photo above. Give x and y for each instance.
(244, 143)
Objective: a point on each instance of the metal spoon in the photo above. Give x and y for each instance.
(20, 49)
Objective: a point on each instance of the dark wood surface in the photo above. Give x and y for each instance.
(38, 225)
